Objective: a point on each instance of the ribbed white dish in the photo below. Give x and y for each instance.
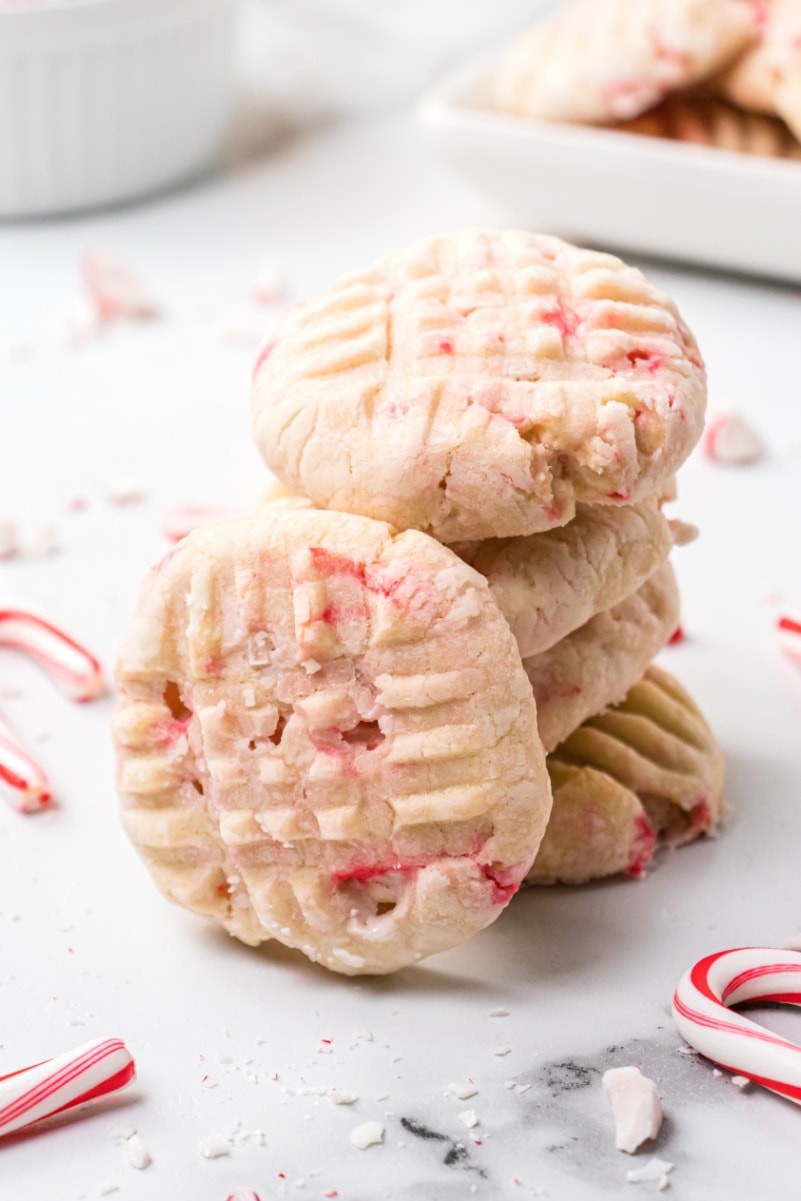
(102, 101)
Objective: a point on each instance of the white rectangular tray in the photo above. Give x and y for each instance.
(704, 205)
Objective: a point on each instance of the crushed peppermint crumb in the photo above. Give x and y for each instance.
(40, 543)
(82, 322)
(340, 1097)
(106, 1189)
(8, 540)
(137, 1153)
(369, 1134)
(462, 1091)
(740, 1081)
(244, 1194)
(655, 1169)
(469, 1117)
(113, 292)
(269, 286)
(729, 439)
(636, 1106)
(500, 1051)
(363, 1036)
(124, 493)
(214, 1147)
(121, 1131)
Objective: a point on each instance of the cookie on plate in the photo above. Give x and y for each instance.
(708, 121)
(767, 78)
(597, 664)
(479, 385)
(647, 771)
(599, 61)
(326, 736)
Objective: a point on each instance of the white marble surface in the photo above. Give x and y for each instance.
(87, 947)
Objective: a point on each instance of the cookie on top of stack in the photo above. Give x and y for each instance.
(335, 714)
(722, 73)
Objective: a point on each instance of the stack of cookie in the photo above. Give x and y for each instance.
(335, 734)
(723, 73)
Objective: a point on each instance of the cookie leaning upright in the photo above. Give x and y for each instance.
(479, 385)
(326, 736)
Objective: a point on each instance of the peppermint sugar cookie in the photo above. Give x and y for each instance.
(646, 771)
(479, 385)
(597, 664)
(549, 584)
(767, 78)
(598, 61)
(708, 121)
(325, 736)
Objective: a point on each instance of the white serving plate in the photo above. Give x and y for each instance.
(673, 199)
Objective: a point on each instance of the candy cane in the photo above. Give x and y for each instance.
(38, 1092)
(21, 777)
(789, 628)
(68, 663)
(700, 1010)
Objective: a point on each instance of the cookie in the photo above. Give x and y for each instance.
(599, 61)
(767, 78)
(708, 121)
(647, 771)
(479, 385)
(597, 664)
(326, 736)
(549, 584)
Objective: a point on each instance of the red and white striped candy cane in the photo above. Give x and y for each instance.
(789, 627)
(21, 777)
(749, 974)
(68, 663)
(48, 1088)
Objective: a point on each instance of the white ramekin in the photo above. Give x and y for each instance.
(102, 101)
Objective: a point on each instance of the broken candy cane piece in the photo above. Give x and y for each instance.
(789, 627)
(38, 1092)
(113, 291)
(729, 439)
(68, 663)
(269, 286)
(748, 974)
(636, 1107)
(180, 520)
(8, 540)
(655, 1169)
(21, 777)
(369, 1134)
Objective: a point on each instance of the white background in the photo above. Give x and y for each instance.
(87, 947)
